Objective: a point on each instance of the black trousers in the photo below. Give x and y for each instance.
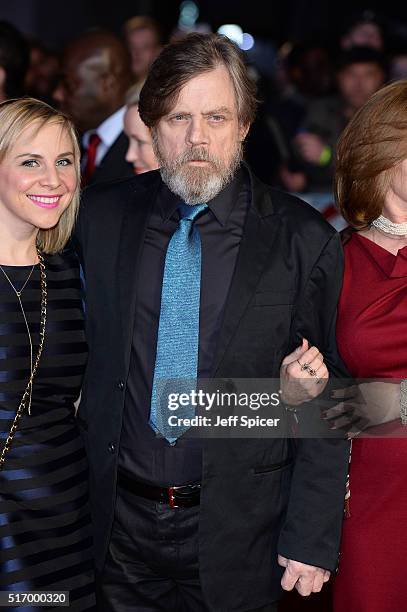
(152, 563)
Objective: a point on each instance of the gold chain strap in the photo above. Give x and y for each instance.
(26, 393)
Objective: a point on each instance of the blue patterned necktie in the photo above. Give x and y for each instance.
(176, 362)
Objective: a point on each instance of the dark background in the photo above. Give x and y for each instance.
(54, 23)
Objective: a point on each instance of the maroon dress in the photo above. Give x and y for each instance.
(372, 339)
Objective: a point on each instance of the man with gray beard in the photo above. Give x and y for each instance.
(200, 270)
(195, 185)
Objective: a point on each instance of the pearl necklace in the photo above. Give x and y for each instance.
(388, 227)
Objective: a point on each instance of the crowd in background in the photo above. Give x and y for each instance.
(307, 96)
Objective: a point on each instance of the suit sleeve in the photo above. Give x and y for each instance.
(78, 233)
(88, 210)
(312, 528)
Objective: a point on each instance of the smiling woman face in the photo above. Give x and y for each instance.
(38, 178)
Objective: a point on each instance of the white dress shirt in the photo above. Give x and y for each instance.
(108, 132)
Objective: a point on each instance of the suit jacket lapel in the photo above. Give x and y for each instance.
(134, 226)
(260, 229)
(113, 164)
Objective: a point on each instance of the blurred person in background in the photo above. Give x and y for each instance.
(43, 72)
(398, 62)
(14, 62)
(45, 533)
(363, 29)
(144, 41)
(140, 153)
(371, 189)
(361, 72)
(95, 78)
(305, 74)
(310, 75)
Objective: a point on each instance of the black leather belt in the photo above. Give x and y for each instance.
(176, 497)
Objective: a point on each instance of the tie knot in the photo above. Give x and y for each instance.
(94, 140)
(191, 212)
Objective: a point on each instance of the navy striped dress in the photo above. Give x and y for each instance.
(45, 536)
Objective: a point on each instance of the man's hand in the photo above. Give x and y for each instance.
(310, 147)
(293, 181)
(301, 384)
(305, 578)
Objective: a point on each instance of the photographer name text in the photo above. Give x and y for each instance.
(230, 421)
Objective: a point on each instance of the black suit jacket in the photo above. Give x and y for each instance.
(113, 165)
(259, 496)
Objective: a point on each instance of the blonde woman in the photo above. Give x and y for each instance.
(140, 153)
(45, 542)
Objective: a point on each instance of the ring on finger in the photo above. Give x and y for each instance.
(304, 366)
(319, 378)
(314, 373)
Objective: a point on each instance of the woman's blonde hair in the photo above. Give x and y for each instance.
(133, 95)
(16, 116)
(368, 154)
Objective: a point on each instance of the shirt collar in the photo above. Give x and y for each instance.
(109, 130)
(221, 205)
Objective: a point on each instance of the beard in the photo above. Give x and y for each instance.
(197, 184)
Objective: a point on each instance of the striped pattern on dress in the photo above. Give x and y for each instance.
(45, 535)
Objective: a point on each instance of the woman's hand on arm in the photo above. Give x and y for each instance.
(364, 405)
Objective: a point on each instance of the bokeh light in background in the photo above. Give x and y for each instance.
(188, 15)
(247, 42)
(233, 31)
